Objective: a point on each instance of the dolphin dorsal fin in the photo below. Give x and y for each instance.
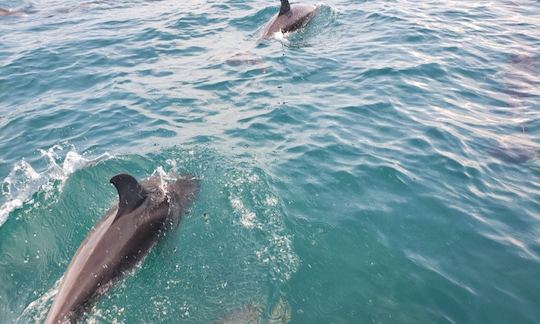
(130, 193)
(285, 7)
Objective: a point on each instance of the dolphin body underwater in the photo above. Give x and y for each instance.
(289, 18)
(120, 240)
(5, 12)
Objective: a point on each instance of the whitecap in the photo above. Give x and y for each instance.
(25, 180)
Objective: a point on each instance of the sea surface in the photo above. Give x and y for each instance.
(382, 165)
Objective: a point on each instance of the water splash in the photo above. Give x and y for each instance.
(37, 310)
(160, 173)
(25, 180)
(258, 209)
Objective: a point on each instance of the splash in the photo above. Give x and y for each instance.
(280, 35)
(248, 219)
(37, 310)
(25, 180)
(160, 173)
(258, 209)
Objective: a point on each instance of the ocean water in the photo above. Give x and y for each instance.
(382, 165)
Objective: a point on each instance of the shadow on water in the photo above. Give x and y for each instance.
(521, 80)
(520, 154)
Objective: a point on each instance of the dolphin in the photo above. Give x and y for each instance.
(5, 12)
(516, 155)
(15, 12)
(120, 240)
(289, 18)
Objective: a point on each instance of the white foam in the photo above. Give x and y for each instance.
(247, 218)
(279, 35)
(24, 180)
(271, 201)
(277, 251)
(162, 175)
(37, 310)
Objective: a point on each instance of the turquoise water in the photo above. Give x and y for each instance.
(381, 165)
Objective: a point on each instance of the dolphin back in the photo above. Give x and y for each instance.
(289, 18)
(121, 239)
(182, 193)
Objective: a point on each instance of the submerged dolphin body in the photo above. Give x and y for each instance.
(5, 12)
(289, 18)
(120, 240)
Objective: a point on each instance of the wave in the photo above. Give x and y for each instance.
(25, 180)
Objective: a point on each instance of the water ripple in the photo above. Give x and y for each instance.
(399, 139)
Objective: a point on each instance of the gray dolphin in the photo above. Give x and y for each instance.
(289, 18)
(5, 12)
(15, 12)
(120, 240)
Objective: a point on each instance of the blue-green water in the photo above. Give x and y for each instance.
(382, 165)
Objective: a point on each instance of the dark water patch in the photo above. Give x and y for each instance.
(514, 154)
